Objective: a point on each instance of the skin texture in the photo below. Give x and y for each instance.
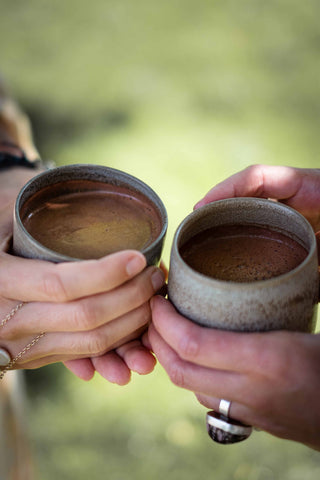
(92, 312)
(272, 379)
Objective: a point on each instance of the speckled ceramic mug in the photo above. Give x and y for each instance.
(54, 190)
(288, 301)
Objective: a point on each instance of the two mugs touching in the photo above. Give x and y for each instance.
(231, 261)
(242, 264)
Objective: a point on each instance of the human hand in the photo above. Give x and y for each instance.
(297, 187)
(59, 292)
(85, 308)
(271, 378)
(117, 364)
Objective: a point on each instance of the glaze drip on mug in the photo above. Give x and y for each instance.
(86, 219)
(242, 253)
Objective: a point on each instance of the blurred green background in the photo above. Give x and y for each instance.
(181, 94)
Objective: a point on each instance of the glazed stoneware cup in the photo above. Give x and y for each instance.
(288, 301)
(50, 188)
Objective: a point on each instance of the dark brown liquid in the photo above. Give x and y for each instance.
(85, 219)
(242, 253)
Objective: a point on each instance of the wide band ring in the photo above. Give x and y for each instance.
(224, 407)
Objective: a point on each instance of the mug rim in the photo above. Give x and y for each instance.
(224, 284)
(56, 174)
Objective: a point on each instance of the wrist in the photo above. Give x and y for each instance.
(16, 169)
(11, 156)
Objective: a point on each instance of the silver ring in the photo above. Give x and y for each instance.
(5, 357)
(224, 407)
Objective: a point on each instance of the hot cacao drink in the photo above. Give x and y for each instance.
(89, 219)
(242, 253)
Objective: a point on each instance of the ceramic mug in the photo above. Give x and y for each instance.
(132, 209)
(288, 301)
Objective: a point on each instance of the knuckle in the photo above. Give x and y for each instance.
(253, 168)
(255, 176)
(139, 293)
(176, 375)
(84, 316)
(189, 346)
(96, 343)
(53, 288)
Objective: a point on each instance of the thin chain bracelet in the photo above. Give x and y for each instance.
(16, 358)
(25, 349)
(11, 314)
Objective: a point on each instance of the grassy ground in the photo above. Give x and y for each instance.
(180, 94)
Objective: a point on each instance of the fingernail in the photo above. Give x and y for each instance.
(198, 205)
(135, 265)
(157, 280)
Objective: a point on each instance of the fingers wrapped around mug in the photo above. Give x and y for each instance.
(116, 365)
(296, 187)
(269, 377)
(85, 308)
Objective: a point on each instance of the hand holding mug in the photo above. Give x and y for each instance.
(85, 309)
(270, 378)
(92, 311)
